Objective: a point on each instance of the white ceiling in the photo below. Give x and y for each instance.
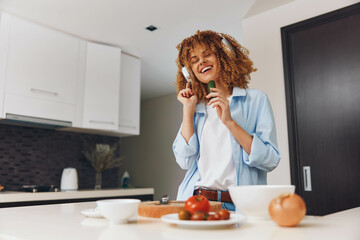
(123, 22)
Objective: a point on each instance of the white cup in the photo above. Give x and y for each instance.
(118, 211)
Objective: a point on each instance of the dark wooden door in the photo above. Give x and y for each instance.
(322, 79)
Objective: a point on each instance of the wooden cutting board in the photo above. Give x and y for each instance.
(155, 210)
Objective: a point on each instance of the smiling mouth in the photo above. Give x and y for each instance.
(205, 69)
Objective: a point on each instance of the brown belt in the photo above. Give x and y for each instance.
(213, 195)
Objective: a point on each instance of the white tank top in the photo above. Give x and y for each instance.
(216, 165)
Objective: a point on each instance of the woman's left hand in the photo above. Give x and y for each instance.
(222, 105)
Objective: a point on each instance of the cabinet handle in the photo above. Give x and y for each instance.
(105, 122)
(40, 91)
(307, 178)
(128, 126)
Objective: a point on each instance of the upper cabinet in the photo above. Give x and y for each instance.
(102, 87)
(129, 105)
(42, 63)
(112, 90)
(39, 69)
(47, 74)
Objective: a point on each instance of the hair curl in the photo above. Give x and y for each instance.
(235, 64)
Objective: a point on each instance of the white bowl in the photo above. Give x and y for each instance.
(118, 210)
(254, 200)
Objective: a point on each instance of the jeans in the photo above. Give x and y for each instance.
(228, 206)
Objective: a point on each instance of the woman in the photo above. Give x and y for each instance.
(227, 137)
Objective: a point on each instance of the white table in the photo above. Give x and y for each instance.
(65, 221)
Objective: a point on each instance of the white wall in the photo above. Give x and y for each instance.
(262, 37)
(149, 157)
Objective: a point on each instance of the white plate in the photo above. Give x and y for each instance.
(234, 219)
(92, 212)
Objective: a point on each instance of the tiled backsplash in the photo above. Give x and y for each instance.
(38, 156)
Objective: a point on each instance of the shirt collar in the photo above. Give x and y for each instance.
(237, 92)
(200, 108)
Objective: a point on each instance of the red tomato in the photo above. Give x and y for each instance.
(198, 216)
(213, 217)
(184, 215)
(197, 203)
(224, 214)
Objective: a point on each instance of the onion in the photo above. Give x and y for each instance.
(287, 210)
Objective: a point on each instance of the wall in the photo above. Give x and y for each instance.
(151, 159)
(37, 156)
(263, 38)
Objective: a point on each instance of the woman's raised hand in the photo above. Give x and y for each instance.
(221, 103)
(187, 97)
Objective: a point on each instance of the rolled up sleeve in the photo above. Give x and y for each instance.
(264, 151)
(185, 153)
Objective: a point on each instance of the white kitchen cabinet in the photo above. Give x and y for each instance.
(112, 91)
(129, 105)
(102, 87)
(39, 70)
(49, 75)
(5, 24)
(36, 108)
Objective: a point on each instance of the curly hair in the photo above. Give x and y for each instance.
(235, 64)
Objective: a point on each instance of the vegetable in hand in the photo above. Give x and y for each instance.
(287, 210)
(211, 84)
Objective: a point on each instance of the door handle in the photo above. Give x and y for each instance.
(307, 178)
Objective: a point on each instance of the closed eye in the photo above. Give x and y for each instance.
(194, 60)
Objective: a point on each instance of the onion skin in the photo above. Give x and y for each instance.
(287, 210)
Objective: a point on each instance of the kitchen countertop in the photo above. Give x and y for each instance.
(9, 196)
(65, 221)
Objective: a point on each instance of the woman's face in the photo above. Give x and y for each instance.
(204, 64)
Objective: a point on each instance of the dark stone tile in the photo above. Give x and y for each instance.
(38, 156)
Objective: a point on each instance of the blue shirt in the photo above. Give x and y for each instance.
(250, 109)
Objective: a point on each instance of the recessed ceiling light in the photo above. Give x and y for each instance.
(151, 28)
